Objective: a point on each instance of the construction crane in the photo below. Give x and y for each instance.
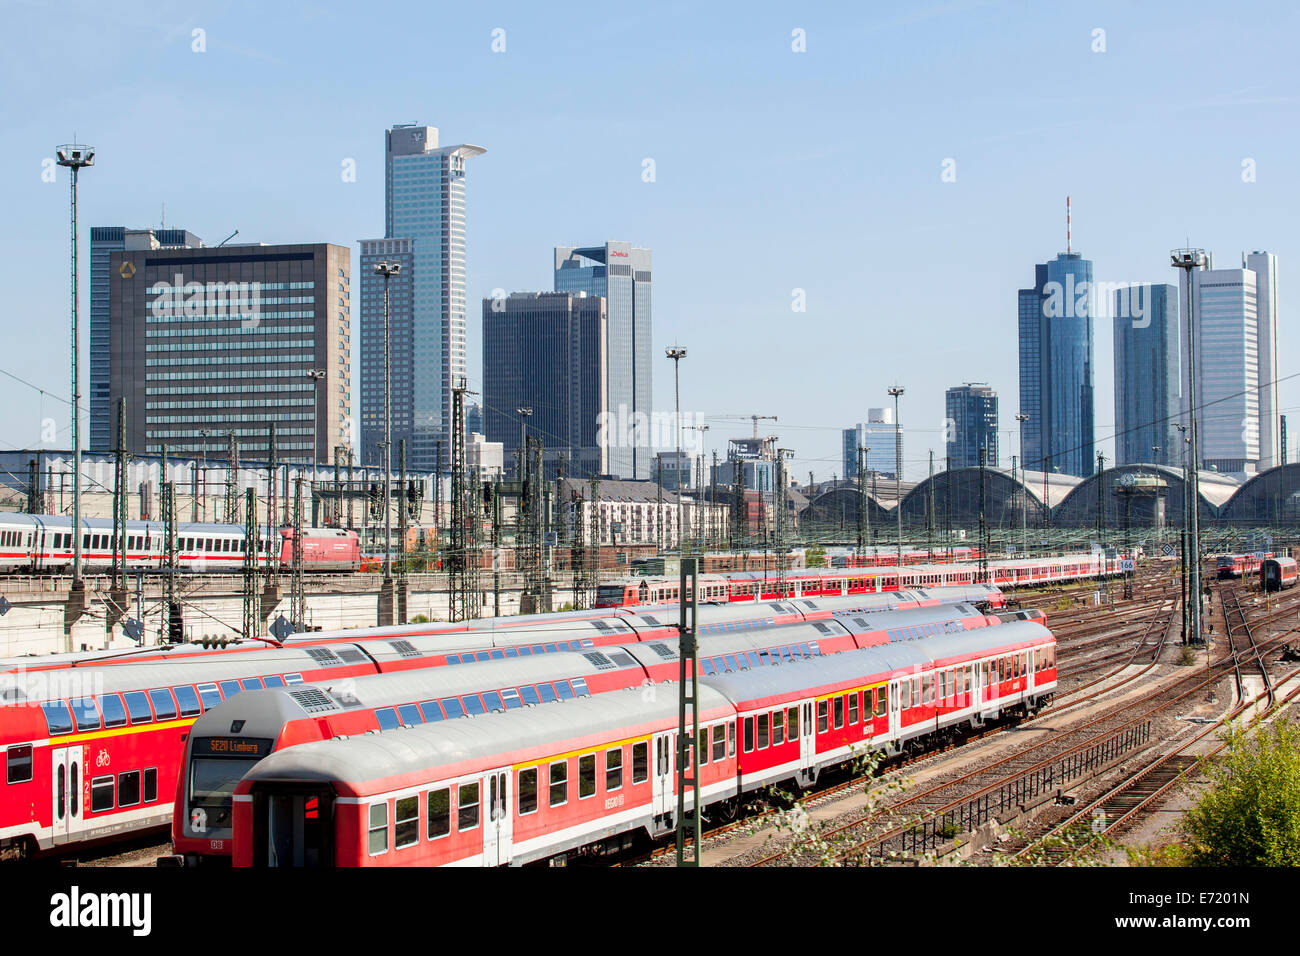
(754, 418)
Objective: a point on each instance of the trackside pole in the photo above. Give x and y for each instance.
(688, 734)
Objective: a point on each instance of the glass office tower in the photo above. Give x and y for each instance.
(1147, 375)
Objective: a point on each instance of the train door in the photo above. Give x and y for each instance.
(294, 828)
(895, 721)
(67, 781)
(662, 782)
(807, 740)
(497, 832)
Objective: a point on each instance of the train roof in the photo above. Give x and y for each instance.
(765, 682)
(528, 733)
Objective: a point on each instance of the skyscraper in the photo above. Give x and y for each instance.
(1056, 376)
(1147, 375)
(104, 241)
(973, 421)
(206, 342)
(424, 192)
(1236, 345)
(548, 351)
(878, 436)
(622, 275)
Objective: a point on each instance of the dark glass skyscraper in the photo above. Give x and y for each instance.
(1147, 380)
(548, 351)
(973, 417)
(1056, 380)
(621, 274)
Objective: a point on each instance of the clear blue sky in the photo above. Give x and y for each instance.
(775, 170)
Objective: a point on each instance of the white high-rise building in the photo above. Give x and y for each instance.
(424, 230)
(878, 436)
(1236, 365)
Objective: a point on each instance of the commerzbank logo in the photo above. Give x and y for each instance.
(208, 300)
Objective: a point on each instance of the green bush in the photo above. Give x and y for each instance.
(420, 619)
(815, 558)
(1251, 814)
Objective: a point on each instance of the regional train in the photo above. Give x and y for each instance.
(551, 782)
(217, 756)
(1240, 565)
(64, 726)
(43, 544)
(1278, 573)
(751, 586)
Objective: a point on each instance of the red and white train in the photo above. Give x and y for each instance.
(75, 734)
(1240, 565)
(819, 582)
(1278, 573)
(549, 782)
(268, 721)
(889, 558)
(43, 543)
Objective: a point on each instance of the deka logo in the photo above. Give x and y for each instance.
(76, 909)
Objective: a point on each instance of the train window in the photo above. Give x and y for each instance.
(580, 687)
(439, 813)
(128, 788)
(731, 662)
(809, 650)
(731, 739)
(547, 692)
(550, 648)
(473, 704)
(719, 665)
(188, 699)
(137, 706)
(292, 679)
(85, 541)
(18, 764)
(386, 717)
(207, 692)
(510, 697)
(274, 680)
(853, 709)
(763, 738)
(778, 728)
(792, 723)
(251, 683)
(493, 701)
(453, 658)
(563, 690)
(559, 776)
(378, 828)
(479, 656)
(719, 743)
(101, 794)
(586, 776)
(706, 666)
(702, 747)
(497, 655)
(164, 705)
(640, 762)
(528, 791)
(410, 714)
(86, 713)
(749, 734)
(839, 712)
(229, 688)
(207, 544)
(57, 718)
(406, 822)
(823, 720)
(785, 652)
(614, 768)
(529, 694)
(525, 650)
(431, 712)
(512, 652)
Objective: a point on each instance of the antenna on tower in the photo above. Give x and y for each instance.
(1067, 225)
(163, 224)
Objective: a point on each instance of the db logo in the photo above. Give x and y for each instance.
(101, 759)
(199, 820)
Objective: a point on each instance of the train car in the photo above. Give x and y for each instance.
(271, 721)
(323, 549)
(814, 582)
(1240, 566)
(550, 782)
(53, 714)
(1277, 573)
